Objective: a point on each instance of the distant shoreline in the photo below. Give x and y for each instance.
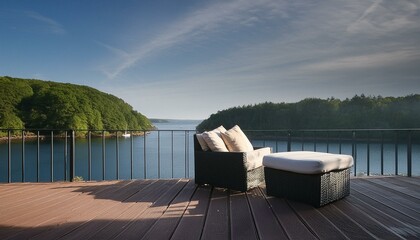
(32, 136)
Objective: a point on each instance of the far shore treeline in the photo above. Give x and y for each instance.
(359, 112)
(36, 104)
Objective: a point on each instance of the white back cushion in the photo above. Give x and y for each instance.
(214, 140)
(236, 140)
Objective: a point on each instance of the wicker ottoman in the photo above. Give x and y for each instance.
(311, 177)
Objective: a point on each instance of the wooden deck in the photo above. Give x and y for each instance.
(378, 207)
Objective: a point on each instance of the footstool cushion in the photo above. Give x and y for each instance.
(312, 177)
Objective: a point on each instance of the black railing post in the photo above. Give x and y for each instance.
(23, 155)
(9, 157)
(117, 157)
(368, 154)
(37, 156)
(396, 153)
(382, 153)
(185, 150)
(158, 147)
(172, 153)
(131, 155)
(328, 142)
(289, 140)
(72, 156)
(302, 139)
(409, 155)
(339, 143)
(52, 156)
(103, 155)
(188, 153)
(65, 156)
(354, 151)
(144, 155)
(89, 155)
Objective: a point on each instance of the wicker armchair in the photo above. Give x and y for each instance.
(228, 169)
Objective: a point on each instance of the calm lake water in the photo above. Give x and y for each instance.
(160, 154)
(165, 154)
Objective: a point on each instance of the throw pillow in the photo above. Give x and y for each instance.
(214, 140)
(202, 142)
(236, 140)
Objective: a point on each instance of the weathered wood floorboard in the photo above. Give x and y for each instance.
(378, 207)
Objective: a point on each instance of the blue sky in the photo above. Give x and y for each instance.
(189, 59)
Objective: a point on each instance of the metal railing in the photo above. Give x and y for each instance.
(28, 155)
(358, 142)
(68, 149)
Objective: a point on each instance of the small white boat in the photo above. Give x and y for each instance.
(126, 134)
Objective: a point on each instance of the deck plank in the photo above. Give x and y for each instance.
(145, 221)
(396, 201)
(216, 225)
(378, 207)
(392, 224)
(346, 225)
(413, 185)
(32, 197)
(91, 227)
(291, 222)
(391, 193)
(408, 223)
(363, 219)
(321, 226)
(410, 180)
(192, 222)
(242, 222)
(81, 210)
(266, 222)
(402, 189)
(51, 211)
(166, 224)
(144, 201)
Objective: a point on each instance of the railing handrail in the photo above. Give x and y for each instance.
(91, 130)
(248, 130)
(335, 130)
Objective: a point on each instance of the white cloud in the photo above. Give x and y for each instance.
(52, 25)
(360, 62)
(309, 48)
(386, 16)
(202, 23)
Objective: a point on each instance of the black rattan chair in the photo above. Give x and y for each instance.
(226, 169)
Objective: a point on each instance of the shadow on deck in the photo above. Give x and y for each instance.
(378, 207)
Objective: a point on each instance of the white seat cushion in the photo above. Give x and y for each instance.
(307, 162)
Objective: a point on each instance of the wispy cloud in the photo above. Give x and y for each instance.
(320, 41)
(365, 61)
(385, 16)
(50, 24)
(198, 24)
(320, 50)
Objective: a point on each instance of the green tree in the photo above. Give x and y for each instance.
(50, 105)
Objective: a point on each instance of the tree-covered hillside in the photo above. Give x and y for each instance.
(40, 104)
(360, 112)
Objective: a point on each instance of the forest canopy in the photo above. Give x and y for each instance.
(359, 112)
(36, 104)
